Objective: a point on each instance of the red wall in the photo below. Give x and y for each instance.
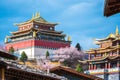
(42, 43)
(51, 44)
(19, 45)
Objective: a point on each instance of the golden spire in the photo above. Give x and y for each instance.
(117, 31)
(69, 38)
(37, 15)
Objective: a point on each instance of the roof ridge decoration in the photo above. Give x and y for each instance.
(36, 15)
(36, 18)
(69, 38)
(111, 35)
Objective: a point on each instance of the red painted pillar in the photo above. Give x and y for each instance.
(118, 64)
(94, 66)
(106, 66)
(89, 67)
(109, 65)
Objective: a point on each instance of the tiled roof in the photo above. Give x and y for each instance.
(69, 70)
(13, 65)
(7, 55)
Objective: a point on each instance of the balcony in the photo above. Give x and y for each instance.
(103, 71)
(95, 71)
(116, 69)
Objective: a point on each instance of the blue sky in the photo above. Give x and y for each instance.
(83, 20)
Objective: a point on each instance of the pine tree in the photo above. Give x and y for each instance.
(23, 57)
(78, 47)
(11, 50)
(79, 68)
(47, 54)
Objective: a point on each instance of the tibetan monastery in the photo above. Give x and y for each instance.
(111, 7)
(35, 37)
(104, 62)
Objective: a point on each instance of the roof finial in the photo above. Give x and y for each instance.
(117, 31)
(69, 38)
(37, 15)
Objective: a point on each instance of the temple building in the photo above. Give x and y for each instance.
(35, 37)
(104, 61)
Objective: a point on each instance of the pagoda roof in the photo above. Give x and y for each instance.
(111, 7)
(21, 31)
(19, 35)
(102, 50)
(48, 32)
(40, 32)
(112, 37)
(37, 19)
(106, 57)
(28, 30)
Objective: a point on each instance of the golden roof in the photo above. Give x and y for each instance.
(100, 59)
(37, 18)
(28, 30)
(102, 50)
(19, 35)
(22, 31)
(111, 36)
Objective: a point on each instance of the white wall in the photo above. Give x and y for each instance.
(41, 51)
(29, 52)
(35, 52)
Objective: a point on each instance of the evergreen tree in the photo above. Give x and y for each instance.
(78, 47)
(79, 68)
(23, 57)
(47, 54)
(11, 50)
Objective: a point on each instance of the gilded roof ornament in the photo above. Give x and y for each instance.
(33, 16)
(37, 15)
(111, 36)
(34, 34)
(117, 31)
(69, 38)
